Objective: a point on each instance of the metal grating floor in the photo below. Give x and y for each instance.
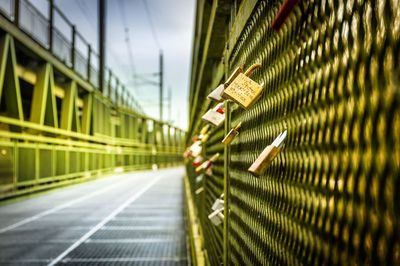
(133, 219)
(150, 231)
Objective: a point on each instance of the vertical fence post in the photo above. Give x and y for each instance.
(227, 190)
(128, 97)
(227, 152)
(89, 62)
(73, 44)
(121, 96)
(16, 12)
(16, 164)
(116, 91)
(110, 75)
(169, 144)
(51, 24)
(102, 8)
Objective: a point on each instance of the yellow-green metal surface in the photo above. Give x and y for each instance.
(331, 78)
(57, 128)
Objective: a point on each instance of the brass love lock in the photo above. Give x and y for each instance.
(268, 155)
(207, 164)
(232, 134)
(243, 90)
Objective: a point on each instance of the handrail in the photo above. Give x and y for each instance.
(104, 139)
(27, 4)
(62, 15)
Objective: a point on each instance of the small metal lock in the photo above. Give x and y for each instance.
(195, 138)
(209, 171)
(283, 13)
(216, 115)
(268, 155)
(204, 130)
(202, 137)
(187, 153)
(216, 94)
(243, 90)
(196, 148)
(232, 134)
(207, 164)
(197, 161)
(199, 178)
(199, 190)
(217, 217)
(218, 203)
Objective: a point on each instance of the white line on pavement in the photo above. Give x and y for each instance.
(60, 207)
(103, 222)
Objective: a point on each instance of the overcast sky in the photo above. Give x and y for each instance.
(173, 28)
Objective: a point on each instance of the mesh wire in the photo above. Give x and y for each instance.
(331, 77)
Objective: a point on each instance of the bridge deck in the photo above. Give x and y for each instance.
(134, 218)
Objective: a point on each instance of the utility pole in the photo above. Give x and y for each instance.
(102, 42)
(161, 85)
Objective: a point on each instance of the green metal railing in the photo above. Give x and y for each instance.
(331, 78)
(57, 128)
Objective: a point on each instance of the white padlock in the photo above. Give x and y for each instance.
(198, 161)
(199, 178)
(218, 204)
(216, 115)
(217, 217)
(216, 94)
(196, 149)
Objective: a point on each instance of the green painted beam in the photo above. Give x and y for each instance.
(43, 108)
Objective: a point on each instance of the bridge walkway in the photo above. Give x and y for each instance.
(126, 219)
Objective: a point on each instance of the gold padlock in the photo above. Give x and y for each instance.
(268, 155)
(216, 94)
(216, 115)
(243, 90)
(204, 130)
(232, 134)
(207, 164)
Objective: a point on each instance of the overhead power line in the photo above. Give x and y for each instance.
(129, 48)
(86, 11)
(153, 30)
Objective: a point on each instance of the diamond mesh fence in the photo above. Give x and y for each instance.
(331, 78)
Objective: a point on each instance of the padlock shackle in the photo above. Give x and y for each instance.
(205, 129)
(251, 69)
(214, 157)
(238, 126)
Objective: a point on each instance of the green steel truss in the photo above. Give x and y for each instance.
(57, 128)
